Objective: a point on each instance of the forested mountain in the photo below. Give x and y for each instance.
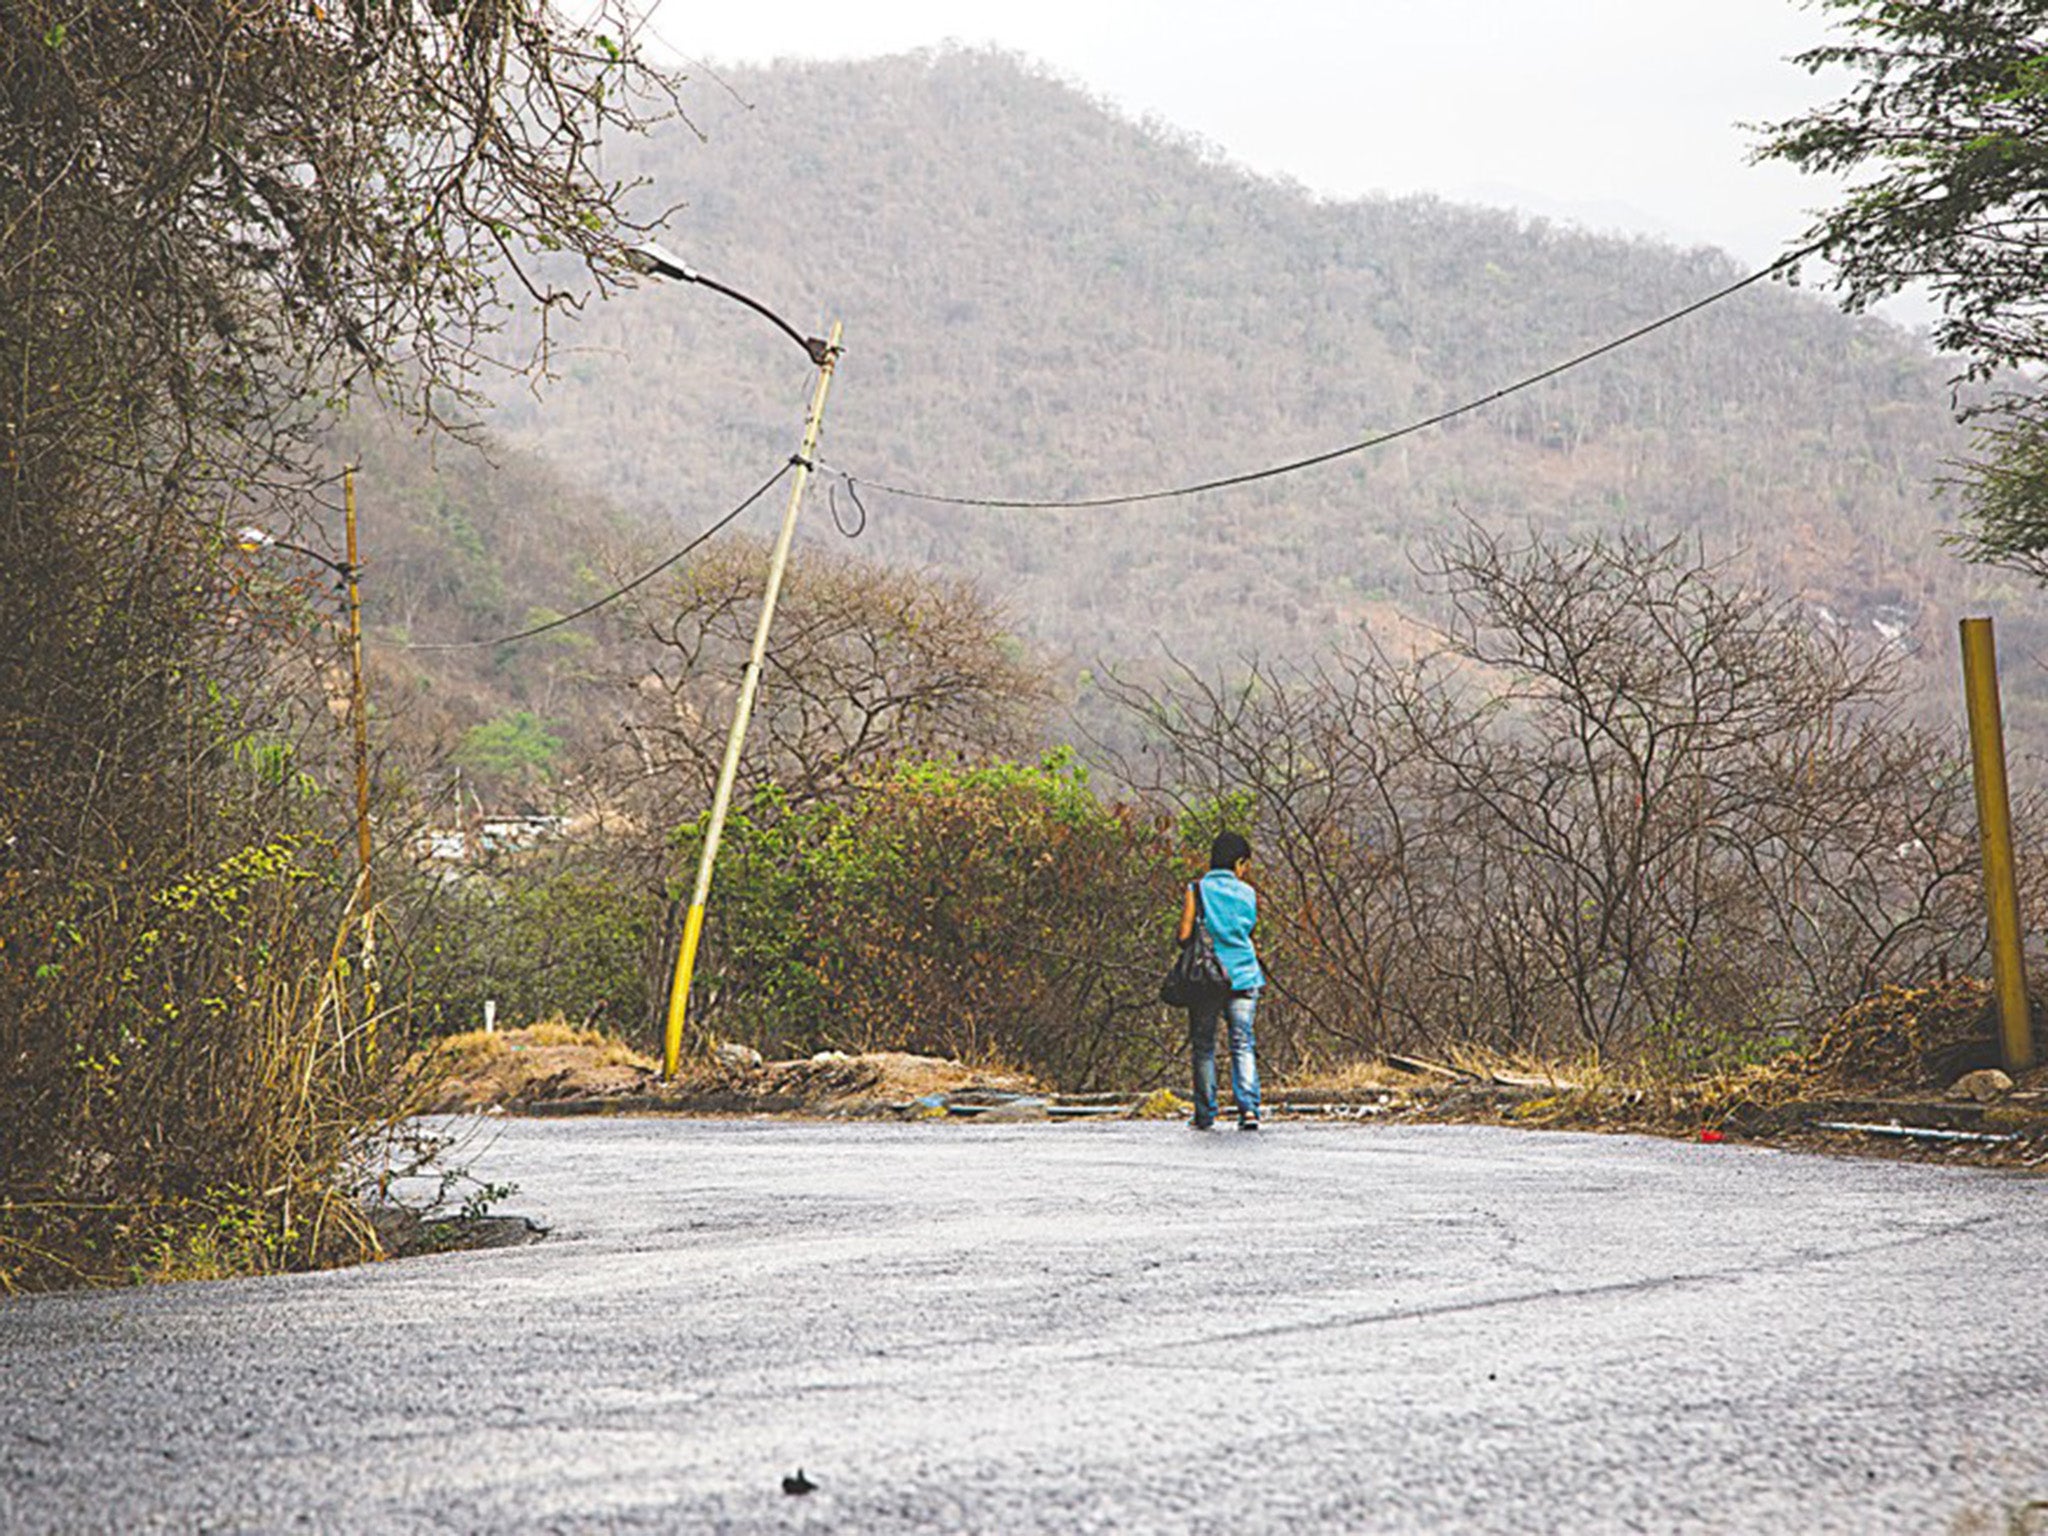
(462, 545)
(1045, 299)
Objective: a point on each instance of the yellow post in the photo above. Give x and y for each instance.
(1994, 822)
(750, 682)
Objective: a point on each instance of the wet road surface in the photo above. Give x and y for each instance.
(1121, 1327)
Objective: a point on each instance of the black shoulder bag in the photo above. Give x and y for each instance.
(1196, 976)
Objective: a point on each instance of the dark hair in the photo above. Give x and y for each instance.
(1228, 848)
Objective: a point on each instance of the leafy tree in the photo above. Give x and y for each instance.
(217, 219)
(540, 934)
(517, 746)
(1000, 911)
(1947, 125)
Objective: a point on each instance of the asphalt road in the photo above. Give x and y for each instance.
(1124, 1327)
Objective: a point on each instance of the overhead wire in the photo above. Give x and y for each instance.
(619, 591)
(1294, 466)
(854, 482)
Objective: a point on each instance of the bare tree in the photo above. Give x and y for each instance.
(867, 663)
(1310, 757)
(1705, 795)
(1628, 803)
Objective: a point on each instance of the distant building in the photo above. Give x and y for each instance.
(482, 836)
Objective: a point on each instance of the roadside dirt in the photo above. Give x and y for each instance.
(552, 1067)
(1907, 1072)
(509, 1067)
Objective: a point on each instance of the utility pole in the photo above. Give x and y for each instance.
(826, 358)
(359, 711)
(348, 572)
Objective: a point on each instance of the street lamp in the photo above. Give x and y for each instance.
(658, 261)
(653, 260)
(255, 539)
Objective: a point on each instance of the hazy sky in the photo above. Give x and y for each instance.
(1620, 114)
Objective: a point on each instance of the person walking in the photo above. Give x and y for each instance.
(1225, 902)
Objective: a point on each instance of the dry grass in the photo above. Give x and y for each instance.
(553, 1059)
(1471, 1063)
(483, 1045)
(1161, 1104)
(224, 1145)
(1897, 1040)
(1580, 1094)
(548, 1059)
(1350, 1077)
(1641, 1100)
(1517, 1067)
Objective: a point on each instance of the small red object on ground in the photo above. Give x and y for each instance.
(1710, 1134)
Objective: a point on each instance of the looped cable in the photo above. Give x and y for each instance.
(832, 499)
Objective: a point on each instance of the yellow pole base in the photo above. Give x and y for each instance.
(679, 990)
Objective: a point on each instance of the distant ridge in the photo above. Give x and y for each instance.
(1042, 297)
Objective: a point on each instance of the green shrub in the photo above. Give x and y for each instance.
(999, 912)
(541, 935)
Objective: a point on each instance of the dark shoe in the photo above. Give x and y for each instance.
(1201, 1125)
(1248, 1123)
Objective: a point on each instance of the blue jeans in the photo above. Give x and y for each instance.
(1244, 1061)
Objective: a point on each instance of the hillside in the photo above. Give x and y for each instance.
(459, 545)
(1044, 299)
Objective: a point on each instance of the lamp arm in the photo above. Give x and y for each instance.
(339, 567)
(817, 349)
